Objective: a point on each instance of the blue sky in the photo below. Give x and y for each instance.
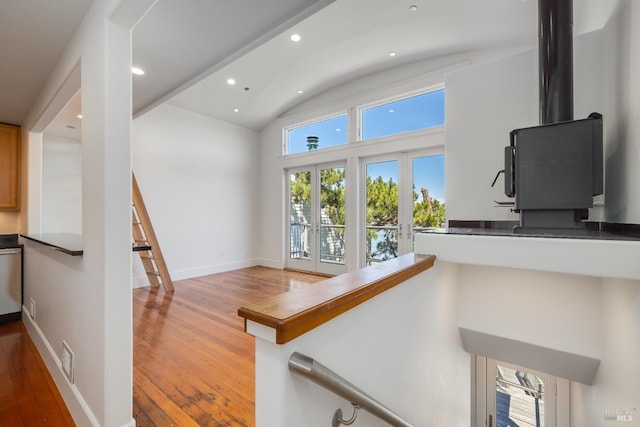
(418, 112)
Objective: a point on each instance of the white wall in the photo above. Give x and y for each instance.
(199, 180)
(483, 104)
(621, 41)
(402, 348)
(587, 316)
(592, 317)
(582, 315)
(558, 311)
(616, 383)
(61, 185)
(87, 301)
(487, 101)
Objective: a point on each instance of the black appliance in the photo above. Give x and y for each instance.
(554, 170)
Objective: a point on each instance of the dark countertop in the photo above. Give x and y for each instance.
(9, 241)
(69, 243)
(592, 231)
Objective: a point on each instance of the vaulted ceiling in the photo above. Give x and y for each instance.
(351, 38)
(189, 48)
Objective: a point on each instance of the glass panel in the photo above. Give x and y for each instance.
(329, 133)
(519, 398)
(418, 112)
(300, 215)
(382, 211)
(428, 192)
(332, 215)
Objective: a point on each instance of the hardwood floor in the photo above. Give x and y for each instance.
(193, 364)
(28, 395)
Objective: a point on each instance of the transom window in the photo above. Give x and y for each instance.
(317, 135)
(408, 114)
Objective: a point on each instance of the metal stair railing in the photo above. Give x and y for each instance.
(307, 367)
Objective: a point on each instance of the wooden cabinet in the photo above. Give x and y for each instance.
(9, 167)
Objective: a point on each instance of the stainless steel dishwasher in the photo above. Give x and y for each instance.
(10, 283)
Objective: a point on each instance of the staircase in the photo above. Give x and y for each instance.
(146, 243)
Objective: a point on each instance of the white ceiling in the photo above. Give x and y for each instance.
(34, 34)
(351, 38)
(189, 48)
(179, 41)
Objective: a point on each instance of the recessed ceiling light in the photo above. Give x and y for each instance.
(413, 8)
(300, 91)
(79, 116)
(338, 129)
(295, 37)
(392, 54)
(391, 110)
(235, 110)
(137, 71)
(231, 81)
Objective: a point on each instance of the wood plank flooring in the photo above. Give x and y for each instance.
(28, 395)
(193, 364)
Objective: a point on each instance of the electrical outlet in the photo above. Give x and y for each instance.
(67, 361)
(32, 309)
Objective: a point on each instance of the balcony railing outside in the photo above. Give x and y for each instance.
(332, 247)
(382, 242)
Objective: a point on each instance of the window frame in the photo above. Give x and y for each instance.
(483, 373)
(405, 95)
(318, 119)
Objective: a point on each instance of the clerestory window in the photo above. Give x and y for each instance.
(400, 115)
(316, 135)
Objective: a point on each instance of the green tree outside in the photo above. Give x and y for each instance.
(381, 209)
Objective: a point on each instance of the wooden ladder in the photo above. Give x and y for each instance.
(146, 243)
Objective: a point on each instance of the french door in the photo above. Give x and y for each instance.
(317, 226)
(403, 194)
(510, 395)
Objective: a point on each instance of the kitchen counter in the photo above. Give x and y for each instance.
(69, 243)
(592, 230)
(9, 241)
(600, 255)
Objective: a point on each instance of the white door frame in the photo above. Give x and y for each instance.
(314, 262)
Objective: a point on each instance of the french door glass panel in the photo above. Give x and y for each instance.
(332, 216)
(428, 193)
(518, 396)
(404, 195)
(317, 226)
(382, 226)
(300, 220)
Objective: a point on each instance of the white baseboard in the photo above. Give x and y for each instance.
(211, 269)
(271, 263)
(188, 273)
(80, 411)
(140, 282)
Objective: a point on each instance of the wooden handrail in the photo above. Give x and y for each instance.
(293, 313)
